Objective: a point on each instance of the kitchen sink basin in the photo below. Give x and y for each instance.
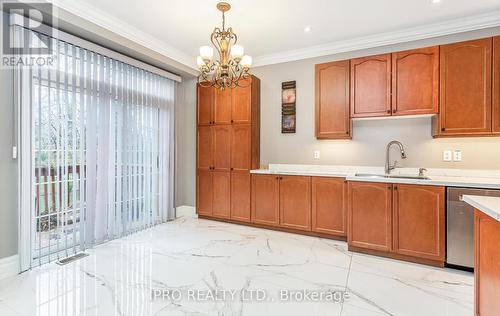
(383, 176)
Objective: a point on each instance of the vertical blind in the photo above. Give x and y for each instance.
(102, 138)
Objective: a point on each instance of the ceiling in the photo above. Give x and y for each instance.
(273, 30)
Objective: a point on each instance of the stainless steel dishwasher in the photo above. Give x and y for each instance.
(460, 226)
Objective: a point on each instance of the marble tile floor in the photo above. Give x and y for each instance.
(185, 267)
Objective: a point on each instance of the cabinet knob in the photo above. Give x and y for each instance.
(231, 169)
(232, 121)
(443, 129)
(394, 111)
(395, 187)
(389, 111)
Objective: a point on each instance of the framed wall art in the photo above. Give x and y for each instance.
(288, 114)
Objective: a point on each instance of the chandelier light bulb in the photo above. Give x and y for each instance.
(206, 53)
(237, 52)
(246, 61)
(200, 62)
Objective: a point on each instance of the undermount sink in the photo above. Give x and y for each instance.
(383, 176)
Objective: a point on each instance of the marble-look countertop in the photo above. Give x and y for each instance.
(489, 205)
(470, 178)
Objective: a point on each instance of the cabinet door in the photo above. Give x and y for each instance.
(222, 147)
(204, 151)
(332, 100)
(465, 81)
(415, 81)
(329, 209)
(205, 100)
(221, 188)
(295, 202)
(240, 147)
(371, 86)
(486, 264)
(222, 106)
(369, 216)
(240, 195)
(496, 85)
(242, 103)
(265, 199)
(419, 221)
(204, 192)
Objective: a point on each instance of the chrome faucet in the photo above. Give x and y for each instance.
(388, 166)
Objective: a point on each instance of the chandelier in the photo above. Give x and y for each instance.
(232, 65)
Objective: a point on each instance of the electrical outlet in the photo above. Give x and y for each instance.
(316, 154)
(446, 155)
(457, 155)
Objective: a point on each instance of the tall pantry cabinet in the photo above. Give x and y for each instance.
(227, 148)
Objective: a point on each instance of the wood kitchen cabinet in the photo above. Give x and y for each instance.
(221, 150)
(222, 106)
(402, 221)
(241, 106)
(204, 147)
(240, 195)
(227, 147)
(332, 100)
(205, 104)
(295, 202)
(241, 157)
(486, 265)
(265, 199)
(370, 216)
(496, 85)
(221, 194)
(329, 206)
(415, 81)
(371, 86)
(465, 96)
(419, 221)
(204, 192)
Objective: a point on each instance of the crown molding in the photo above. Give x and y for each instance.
(454, 26)
(111, 23)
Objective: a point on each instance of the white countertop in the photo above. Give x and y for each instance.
(489, 205)
(470, 178)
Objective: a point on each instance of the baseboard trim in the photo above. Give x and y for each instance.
(185, 211)
(9, 266)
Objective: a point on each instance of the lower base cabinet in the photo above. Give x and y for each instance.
(295, 202)
(419, 221)
(213, 196)
(406, 221)
(329, 206)
(240, 196)
(369, 218)
(486, 265)
(265, 199)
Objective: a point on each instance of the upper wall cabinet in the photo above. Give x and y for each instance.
(496, 85)
(371, 86)
(415, 81)
(332, 100)
(465, 81)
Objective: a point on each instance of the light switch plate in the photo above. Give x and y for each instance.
(457, 155)
(316, 154)
(446, 155)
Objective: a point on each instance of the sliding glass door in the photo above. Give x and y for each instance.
(100, 150)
